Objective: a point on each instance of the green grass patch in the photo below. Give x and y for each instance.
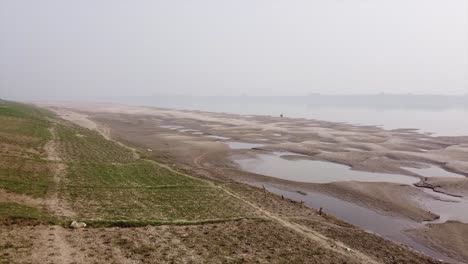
(84, 145)
(139, 173)
(132, 223)
(144, 191)
(24, 125)
(103, 183)
(26, 176)
(22, 110)
(24, 131)
(13, 213)
(189, 203)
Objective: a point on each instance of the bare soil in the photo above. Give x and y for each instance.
(450, 186)
(246, 241)
(58, 169)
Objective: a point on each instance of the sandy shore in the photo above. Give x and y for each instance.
(194, 141)
(454, 187)
(451, 237)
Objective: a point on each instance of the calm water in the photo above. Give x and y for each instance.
(434, 171)
(449, 208)
(392, 228)
(441, 116)
(314, 171)
(446, 206)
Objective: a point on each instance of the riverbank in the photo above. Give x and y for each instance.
(199, 142)
(69, 194)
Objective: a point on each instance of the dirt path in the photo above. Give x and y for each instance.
(54, 248)
(58, 169)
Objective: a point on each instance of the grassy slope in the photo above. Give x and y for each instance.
(23, 134)
(13, 212)
(104, 184)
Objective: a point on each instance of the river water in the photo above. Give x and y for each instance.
(439, 115)
(276, 165)
(314, 171)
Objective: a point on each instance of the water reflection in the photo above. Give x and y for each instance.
(434, 171)
(392, 228)
(442, 115)
(314, 171)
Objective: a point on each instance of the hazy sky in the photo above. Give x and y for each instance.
(73, 49)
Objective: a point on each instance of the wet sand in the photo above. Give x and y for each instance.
(198, 142)
(450, 237)
(451, 186)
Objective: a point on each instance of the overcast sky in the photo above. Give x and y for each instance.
(70, 49)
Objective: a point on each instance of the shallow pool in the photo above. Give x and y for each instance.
(314, 171)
